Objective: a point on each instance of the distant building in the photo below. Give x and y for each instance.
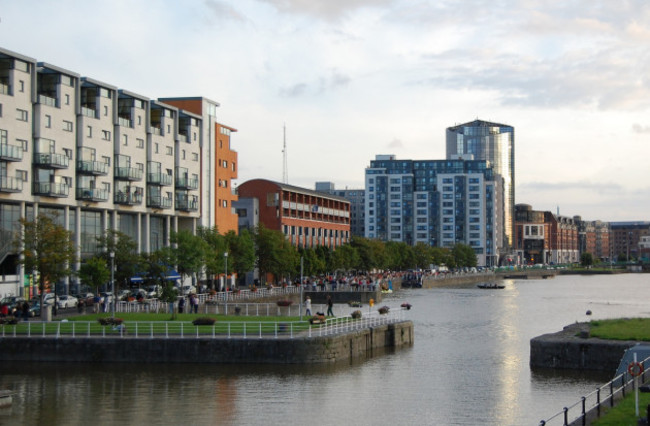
(357, 200)
(307, 218)
(625, 239)
(495, 143)
(593, 238)
(436, 202)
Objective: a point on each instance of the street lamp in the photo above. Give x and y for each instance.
(112, 298)
(225, 277)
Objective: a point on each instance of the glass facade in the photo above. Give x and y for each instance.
(494, 143)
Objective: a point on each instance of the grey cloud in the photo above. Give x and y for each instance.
(637, 128)
(395, 143)
(221, 9)
(294, 91)
(323, 84)
(325, 9)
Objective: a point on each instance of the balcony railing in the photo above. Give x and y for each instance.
(51, 189)
(92, 194)
(124, 122)
(130, 198)
(158, 201)
(92, 167)
(156, 130)
(89, 112)
(46, 100)
(55, 161)
(183, 182)
(10, 184)
(182, 137)
(159, 179)
(5, 89)
(187, 205)
(11, 152)
(128, 173)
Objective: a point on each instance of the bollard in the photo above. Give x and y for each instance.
(584, 413)
(566, 416)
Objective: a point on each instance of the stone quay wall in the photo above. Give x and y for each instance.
(572, 348)
(267, 350)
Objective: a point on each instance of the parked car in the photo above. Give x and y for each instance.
(124, 295)
(187, 289)
(139, 291)
(13, 303)
(153, 291)
(49, 299)
(35, 309)
(67, 301)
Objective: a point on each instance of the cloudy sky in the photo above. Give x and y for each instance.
(351, 79)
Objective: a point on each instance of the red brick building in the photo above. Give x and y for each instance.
(307, 218)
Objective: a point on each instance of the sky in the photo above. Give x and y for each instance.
(351, 79)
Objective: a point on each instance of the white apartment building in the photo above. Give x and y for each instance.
(97, 158)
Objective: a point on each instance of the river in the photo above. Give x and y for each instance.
(468, 366)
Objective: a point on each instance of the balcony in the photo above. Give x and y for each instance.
(159, 202)
(88, 112)
(92, 167)
(124, 122)
(92, 194)
(51, 189)
(46, 100)
(5, 89)
(162, 179)
(187, 205)
(184, 182)
(11, 152)
(10, 184)
(54, 161)
(129, 198)
(128, 173)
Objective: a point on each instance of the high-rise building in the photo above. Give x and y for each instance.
(495, 143)
(436, 202)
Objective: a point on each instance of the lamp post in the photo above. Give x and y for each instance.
(301, 270)
(112, 297)
(225, 277)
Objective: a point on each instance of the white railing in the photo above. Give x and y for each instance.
(183, 329)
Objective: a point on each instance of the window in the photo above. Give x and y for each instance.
(89, 131)
(105, 110)
(48, 121)
(106, 186)
(21, 86)
(107, 160)
(68, 153)
(170, 150)
(140, 143)
(183, 156)
(0, 110)
(67, 99)
(125, 140)
(21, 175)
(106, 135)
(67, 126)
(22, 143)
(224, 203)
(22, 115)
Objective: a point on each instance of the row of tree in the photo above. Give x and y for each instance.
(47, 249)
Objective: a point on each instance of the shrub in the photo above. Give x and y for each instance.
(356, 314)
(110, 321)
(204, 321)
(284, 302)
(354, 304)
(383, 310)
(406, 306)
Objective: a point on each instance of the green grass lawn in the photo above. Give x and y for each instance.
(622, 329)
(161, 324)
(623, 414)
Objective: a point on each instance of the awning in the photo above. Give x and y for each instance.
(171, 274)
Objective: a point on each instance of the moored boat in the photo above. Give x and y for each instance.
(491, 286)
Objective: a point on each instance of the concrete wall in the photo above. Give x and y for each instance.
(572, 348)
(283, 350)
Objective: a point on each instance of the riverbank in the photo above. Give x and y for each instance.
(190, 349)
(574, 348)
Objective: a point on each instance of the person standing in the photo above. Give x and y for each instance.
(308, 305)
(181, 304)
(330, 304)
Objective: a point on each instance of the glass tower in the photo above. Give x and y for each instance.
(495, 143)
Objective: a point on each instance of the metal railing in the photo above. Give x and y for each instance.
(592, 404)
(183, 329)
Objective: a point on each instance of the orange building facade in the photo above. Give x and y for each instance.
(307, 218)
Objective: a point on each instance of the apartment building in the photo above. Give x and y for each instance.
(436, 202)
(307, 218)
(357, 199)
(97, 157)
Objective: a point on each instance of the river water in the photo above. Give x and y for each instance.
(468, 366)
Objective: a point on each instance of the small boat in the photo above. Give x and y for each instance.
(491, 286)
(5, 398)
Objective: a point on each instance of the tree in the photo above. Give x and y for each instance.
(275, 255)
(241, 252)
(94, 272)
(46, 248)
(586, 259)
(216, 247)
(190, 253)
(345, 257)
(127, 261)
(157, 265)
(463, 255)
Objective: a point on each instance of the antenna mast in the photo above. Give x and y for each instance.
(285, 166)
